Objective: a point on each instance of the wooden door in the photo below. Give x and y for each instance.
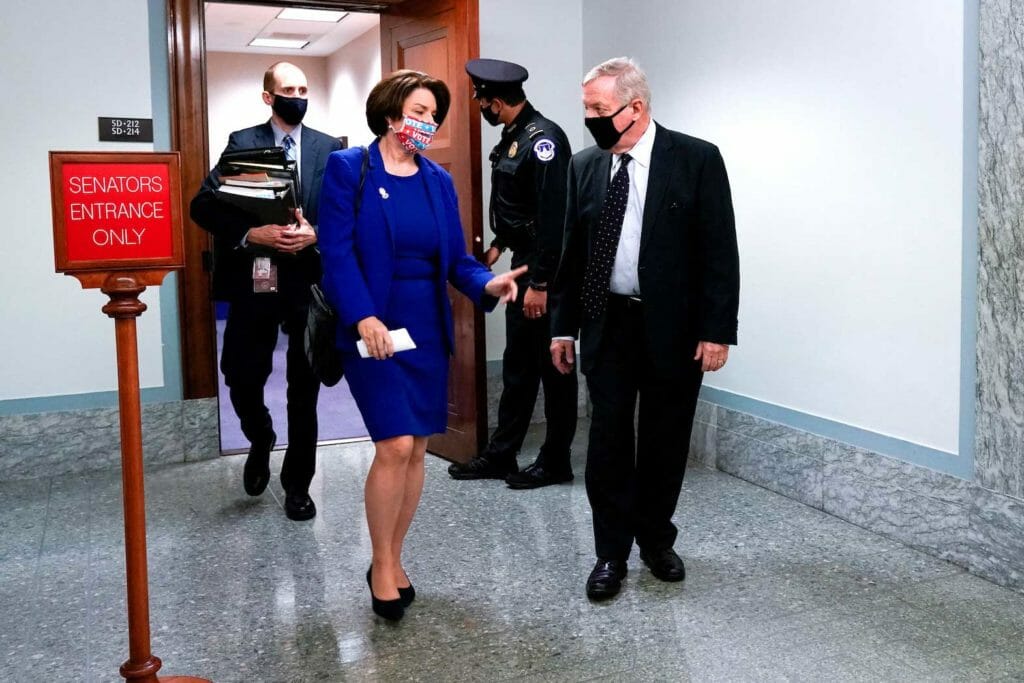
(439, 37)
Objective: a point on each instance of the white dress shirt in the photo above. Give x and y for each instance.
(625, 276)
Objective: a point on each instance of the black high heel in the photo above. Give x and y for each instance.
(406, 595)
(392, 610)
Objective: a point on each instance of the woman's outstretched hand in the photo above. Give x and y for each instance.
(504, 286)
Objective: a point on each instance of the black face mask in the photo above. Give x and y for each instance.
(290, 109)
(603, 129)
(489, 116)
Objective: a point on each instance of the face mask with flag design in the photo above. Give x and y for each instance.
(415, 135)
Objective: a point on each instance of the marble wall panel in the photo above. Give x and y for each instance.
(62, 442)
(771, 465)
(999, 437)
(201, 421)
(930, 524)
(996, 537)
(845, 460)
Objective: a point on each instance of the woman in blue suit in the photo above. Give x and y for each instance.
(387, 268)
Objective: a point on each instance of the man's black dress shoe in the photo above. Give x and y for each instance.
(664, 564)
(605, 579)
(299, 506)
(483, 467)
(256, 473)
(535, 476)
(392, 610)
(406, 595)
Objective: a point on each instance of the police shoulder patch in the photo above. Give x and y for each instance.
(544, 149)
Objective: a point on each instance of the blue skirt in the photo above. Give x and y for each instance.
(406, 394)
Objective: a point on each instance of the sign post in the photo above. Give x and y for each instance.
(117, 227)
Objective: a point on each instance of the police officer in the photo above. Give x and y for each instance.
(527, 212)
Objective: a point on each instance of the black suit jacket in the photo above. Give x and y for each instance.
(232, 264)
(689, 263)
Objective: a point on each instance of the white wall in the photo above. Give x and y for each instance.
(234, 87)
(841, 125)
(56, 341)
(546, 38)
(352, 72)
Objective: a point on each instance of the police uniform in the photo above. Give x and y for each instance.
(529, 168)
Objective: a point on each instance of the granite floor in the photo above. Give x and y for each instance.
(775, 590)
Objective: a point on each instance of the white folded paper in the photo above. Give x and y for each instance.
(400, 338)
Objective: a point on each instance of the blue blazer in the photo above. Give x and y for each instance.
(358, 253)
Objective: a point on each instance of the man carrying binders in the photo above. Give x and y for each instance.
(265, 272)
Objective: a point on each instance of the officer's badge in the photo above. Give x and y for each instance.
(544, 149)
(513, 149)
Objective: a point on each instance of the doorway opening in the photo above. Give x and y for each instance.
(437, 36)
(340, 54)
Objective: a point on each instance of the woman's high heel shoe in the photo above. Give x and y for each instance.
(392, 610)
(406, 595)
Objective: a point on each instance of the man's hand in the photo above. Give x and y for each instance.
(266, 235)
(712, 356)
(535, 304)
(563, 355)
(376, 337)
(286, 238)
(491, 256)
(298, 237)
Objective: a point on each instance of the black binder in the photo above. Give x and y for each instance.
(268, 161)
(262, 183)
(274, 205)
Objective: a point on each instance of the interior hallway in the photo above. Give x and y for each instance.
(775, 590)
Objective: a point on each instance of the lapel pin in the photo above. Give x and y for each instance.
(383, 193)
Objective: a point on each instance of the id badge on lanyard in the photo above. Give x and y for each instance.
(264, 275)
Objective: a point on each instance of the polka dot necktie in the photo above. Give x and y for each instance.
(289, 147)
(606, 243)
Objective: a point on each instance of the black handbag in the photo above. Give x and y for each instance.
(321, 352)
(322, 321)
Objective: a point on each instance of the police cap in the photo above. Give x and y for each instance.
(494, 77)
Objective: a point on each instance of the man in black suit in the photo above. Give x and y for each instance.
(265, 271)
(650, 278)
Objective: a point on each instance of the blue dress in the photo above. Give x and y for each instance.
(407, 394)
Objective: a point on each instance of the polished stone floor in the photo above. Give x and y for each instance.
(775, 590)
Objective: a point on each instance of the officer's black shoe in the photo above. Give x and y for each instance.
(537, 475)
(256, 473)
(483, 467)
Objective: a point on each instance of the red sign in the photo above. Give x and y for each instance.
(115, 211)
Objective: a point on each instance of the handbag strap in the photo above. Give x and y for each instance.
(362, 180)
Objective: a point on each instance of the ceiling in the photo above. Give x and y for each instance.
(230, 27)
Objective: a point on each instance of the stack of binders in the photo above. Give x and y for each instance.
(262, 182)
